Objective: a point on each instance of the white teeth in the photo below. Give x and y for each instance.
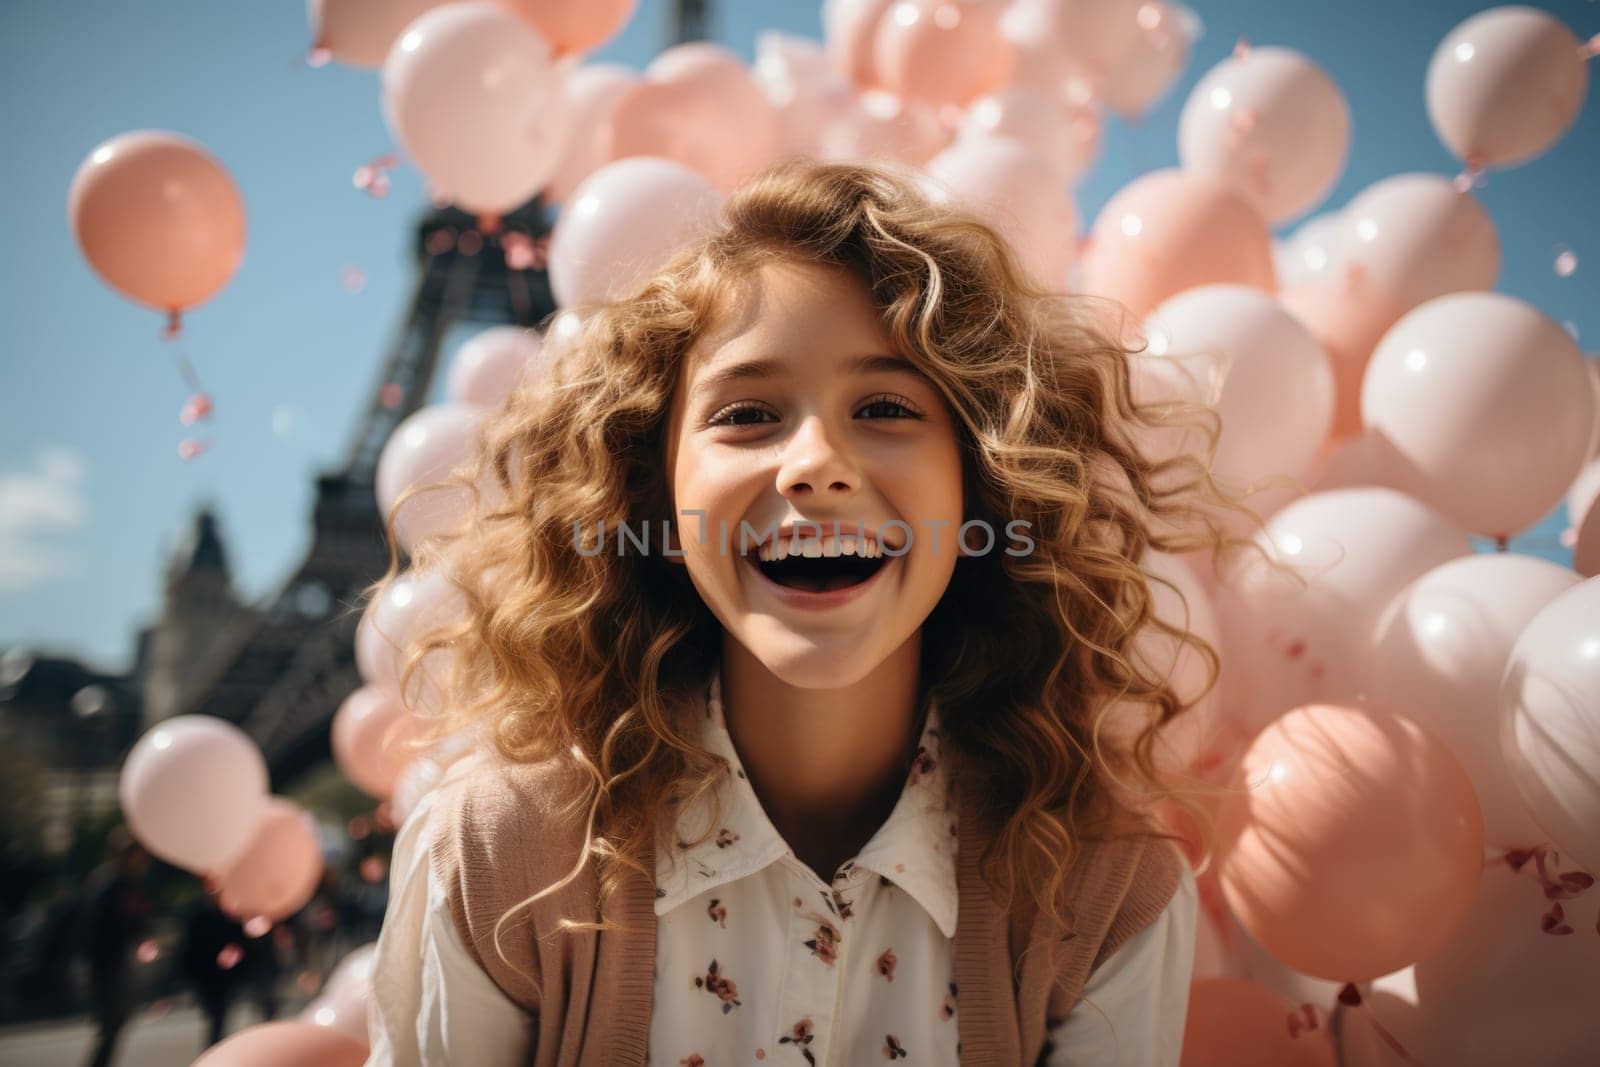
(813, 548)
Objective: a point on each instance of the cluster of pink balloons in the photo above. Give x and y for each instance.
(195, 793)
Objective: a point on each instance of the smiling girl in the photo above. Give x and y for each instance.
(834, 775)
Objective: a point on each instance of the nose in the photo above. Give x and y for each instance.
(811, 463)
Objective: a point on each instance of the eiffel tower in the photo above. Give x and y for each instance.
(282, 672)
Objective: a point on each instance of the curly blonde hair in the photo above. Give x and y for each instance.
(602, 659)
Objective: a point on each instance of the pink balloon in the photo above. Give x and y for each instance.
(1144, 74)
(1014, 190)
(1288, 644)
(1550, 721)
(1066, 136)
(943, 51)
(851, 30)
(192, 789)
(1168, 231)
(285, 1044)
(361, 32)
(575, 27)
(1505, 85)
(1441, 649)
(473, 94)
(410, 608)
(699, 106)
(1348, 318)
(342, 1004)
(623, 224)
(1235, 1023)
(490, 365)
(1583, 515)
(879, 126)
(1345, 464)
(806, 92)
(158, 218)
(592, 94)
(371, 731)
(1483, 409)
(278, 871)
(1413, 237)
(1058, 40)
(1277, 387)
(423, 450)
(1310, 254)
(1355, 846)
(1499, 991)
(1270, 123)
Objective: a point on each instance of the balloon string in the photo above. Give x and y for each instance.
(1350, 996)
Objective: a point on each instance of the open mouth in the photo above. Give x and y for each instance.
(819, 574)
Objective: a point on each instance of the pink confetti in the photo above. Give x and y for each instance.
(191, 447)
(257, 926)
(229, 957)
(353, 278)
(518, 249)
(373, 868)
(373, 177)
(197, 407)
(318, 56)
(148, 951)
(391, 395)
(1566, 262)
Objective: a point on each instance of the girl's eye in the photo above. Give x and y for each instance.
(892, 404)
(735, 415)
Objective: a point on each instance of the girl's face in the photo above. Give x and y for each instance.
(796, 408)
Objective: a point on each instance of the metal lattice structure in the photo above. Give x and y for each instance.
(282, 673)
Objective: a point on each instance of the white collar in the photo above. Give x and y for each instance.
(914, 848)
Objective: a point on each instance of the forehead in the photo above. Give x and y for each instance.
(789, 305)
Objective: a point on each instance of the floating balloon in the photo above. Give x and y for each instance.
(698, 106)
(1066, 136)
(575, 27)
(1583, 515)
(879, 126)
(158, 218)
(1348, 318)
(1505, 85)
(278, 871)
(592, 94)
(1289, 644)
(1235, 1023)
(850, 28)
(805, 91)
(1550, 721)
(424, 450)
(342, 1004)
(361, 32)
(1270, 123)
(623, 224)
(1277, 388)
(1168, 231)
(1058, 41)
(942, 52)
(1413, 237)
(1482, 408)
(371, 731)
(1354, 846)
(1440, 651)
(408, 610)
(192, 789)
(490, 365)
(1012, 188)
(1499, 991)
(285, 1044)
(1310, 254)
(1153, 63)
(473, 94)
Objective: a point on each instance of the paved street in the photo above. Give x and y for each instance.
(151, 1040)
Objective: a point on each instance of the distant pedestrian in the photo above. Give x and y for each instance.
(117, 913)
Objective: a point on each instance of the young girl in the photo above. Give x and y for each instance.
(802, 644)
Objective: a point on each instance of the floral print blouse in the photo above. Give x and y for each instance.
(759, 960)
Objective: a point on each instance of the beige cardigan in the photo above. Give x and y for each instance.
(499, 841)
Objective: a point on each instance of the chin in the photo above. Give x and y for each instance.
(809, 663)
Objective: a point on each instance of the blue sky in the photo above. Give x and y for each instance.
(92, 492)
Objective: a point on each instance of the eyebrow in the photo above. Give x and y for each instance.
(766, 369)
